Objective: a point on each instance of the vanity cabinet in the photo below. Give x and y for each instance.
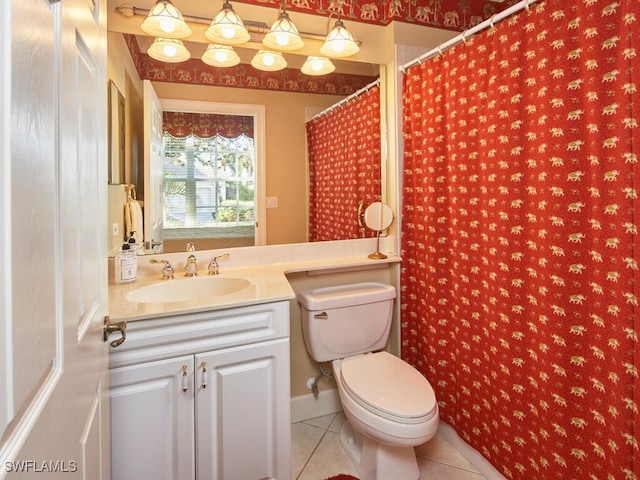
(203, 396)
(152, 421)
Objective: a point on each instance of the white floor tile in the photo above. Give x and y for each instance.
(321, 422)
(316, 454)
(304, 440)
(329, 459)
(440, 450)
(337, 422)
(434, 470)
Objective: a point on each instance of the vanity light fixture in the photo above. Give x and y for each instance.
(170, 50)
(220, 56)
(268, 61)
(339, 42)
(317, 66)
(283, 34)
(227, 27)
(165, 20)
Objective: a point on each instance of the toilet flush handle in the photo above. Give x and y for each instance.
(321, 316)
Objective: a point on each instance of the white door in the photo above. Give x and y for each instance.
(153, 155)
(153, 420)
(53, 281)
(243, 428)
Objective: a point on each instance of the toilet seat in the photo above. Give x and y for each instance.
(389, 387)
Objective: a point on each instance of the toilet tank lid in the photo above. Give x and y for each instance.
(345, 295)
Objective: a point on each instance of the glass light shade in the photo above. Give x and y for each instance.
(227, 27)
(220, 56)
(283, 35)
(268, 61)
(317, 66)
(169, 50)
(339, 43)
(165, 20)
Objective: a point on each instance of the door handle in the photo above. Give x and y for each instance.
(108, 328)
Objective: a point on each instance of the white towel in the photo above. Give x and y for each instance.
(133, 220)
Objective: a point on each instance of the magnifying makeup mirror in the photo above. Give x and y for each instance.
(378, 216)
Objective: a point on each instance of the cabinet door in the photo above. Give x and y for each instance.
(152, 420)
(243, 430)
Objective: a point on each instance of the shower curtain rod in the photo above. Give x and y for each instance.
(490, 22)
(346, 99)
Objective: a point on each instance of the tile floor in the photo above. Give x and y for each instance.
(316, 454)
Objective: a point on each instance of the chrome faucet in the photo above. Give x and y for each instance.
(214, 268)
(167, 271)
(191, 267)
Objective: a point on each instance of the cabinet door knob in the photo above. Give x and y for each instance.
(185, 379)
(204, 374)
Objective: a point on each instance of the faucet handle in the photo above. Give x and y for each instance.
(214, 268)
(167, 271)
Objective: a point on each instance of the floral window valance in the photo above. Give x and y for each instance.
(207, 125)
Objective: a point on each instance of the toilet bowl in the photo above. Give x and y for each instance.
(390, 407)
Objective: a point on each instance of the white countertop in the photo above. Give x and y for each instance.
(264, 267)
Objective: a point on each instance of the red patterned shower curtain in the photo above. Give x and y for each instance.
(520, 238)
(344, 153)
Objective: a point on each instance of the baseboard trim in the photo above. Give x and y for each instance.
(304, 407)
(472, 455)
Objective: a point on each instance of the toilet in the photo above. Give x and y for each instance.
(389, 405)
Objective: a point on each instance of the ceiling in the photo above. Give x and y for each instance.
(363, 18)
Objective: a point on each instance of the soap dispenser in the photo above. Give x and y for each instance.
(133, 246)
(126, 265)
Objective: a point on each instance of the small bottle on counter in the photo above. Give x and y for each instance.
(133, 246)
(126, 265)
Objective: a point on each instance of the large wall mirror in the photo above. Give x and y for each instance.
(116, 126)
(284, 195)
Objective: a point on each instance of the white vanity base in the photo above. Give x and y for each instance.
(203, 396)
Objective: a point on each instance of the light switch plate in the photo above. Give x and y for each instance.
(272, 202)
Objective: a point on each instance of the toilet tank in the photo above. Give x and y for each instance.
(346, 319)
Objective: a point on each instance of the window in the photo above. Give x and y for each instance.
(209, 175)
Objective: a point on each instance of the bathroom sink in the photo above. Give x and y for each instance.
(187, 289)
